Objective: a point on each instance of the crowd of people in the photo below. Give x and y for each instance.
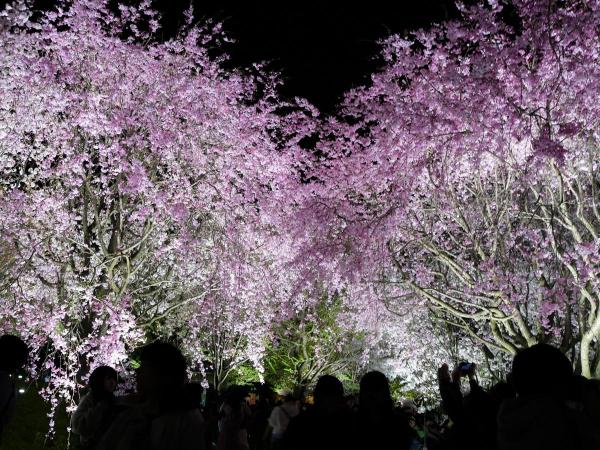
(543, 405)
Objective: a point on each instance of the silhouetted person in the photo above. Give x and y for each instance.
(473, 416)
(538, 418)
(96, 409)
(211, 417)
(583, 407)
(234, 418)
(13, 356)
(325, 426)
(378, 424)
(415, 423)
(163, 418)
(260, 431)
(434, 437)
(502, 391)
(192, 393)
(280, 419)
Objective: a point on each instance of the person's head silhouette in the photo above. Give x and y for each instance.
(13, 353)
(103, 382)
(289, 397)
(375, 392)
(236, 395)
(193, 393)
(329, 393)
(541, 369)
(162, 370)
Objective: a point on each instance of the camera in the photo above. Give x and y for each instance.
(465, 367)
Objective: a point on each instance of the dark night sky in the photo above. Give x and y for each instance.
(322, 48)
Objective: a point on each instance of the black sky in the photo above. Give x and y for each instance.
(322, 47)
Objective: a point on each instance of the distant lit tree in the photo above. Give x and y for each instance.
(313, 342)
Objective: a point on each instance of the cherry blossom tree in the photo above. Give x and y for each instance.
(465, 175)
(232, 326)
(125, 163)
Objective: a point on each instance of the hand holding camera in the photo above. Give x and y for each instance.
(463, 369)
(466, 369)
